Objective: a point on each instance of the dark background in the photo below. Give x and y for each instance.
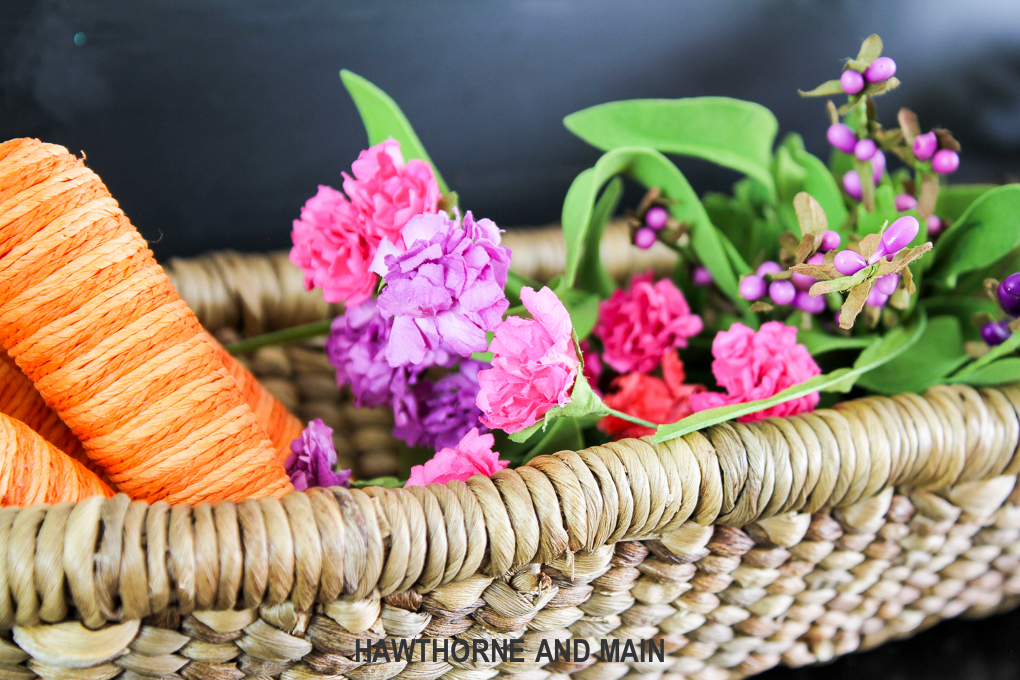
(213, 121)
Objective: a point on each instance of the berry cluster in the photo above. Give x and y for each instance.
(656, 218)
(944, 161)
(793, 290)
(997, 332)
(880, 70)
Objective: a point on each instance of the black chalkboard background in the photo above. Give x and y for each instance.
(213, 120)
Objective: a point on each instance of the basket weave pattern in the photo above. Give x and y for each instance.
(787, 541)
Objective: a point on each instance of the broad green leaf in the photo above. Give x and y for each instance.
(936, 354)
(818, 181)
(999, 351)
(1001, 372)
(383, 118)
(881, 351)
(592, 275)
(730, 132)
(963, 308)
(385, 482)
(652, 169)
(954, 199)
(820, 342)
(514, 283)
(583, 308)
(885, 211)
(985, 233)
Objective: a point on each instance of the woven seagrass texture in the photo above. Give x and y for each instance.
(737, 548)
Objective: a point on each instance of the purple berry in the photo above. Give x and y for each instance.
(878, 166)
(851, 81)
(876, 298)
(905, 202)
(842, 137)
(1011, 284)
(881, 69)
(817, 258)
(995, 332)
(806, 303)
(865, 149)
(899, 234)
(702, 277)
(802, 281)
(768, 267)
(934, 224)
(752, 287)
(782, 292)
(1009, 303)
(887, 284)
(644, 238)
(848, 262)
(656, 217)
(925, 146)
(945, 161)
(852, 184)
(830, 240)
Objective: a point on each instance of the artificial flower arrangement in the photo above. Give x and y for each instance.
(810, 281)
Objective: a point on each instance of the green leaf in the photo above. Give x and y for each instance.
(592, 275)
(820, 342)
(583, 308)
(818, 181)
(885, 211)
(936, 354)
(986, 232)
(652, 169)
(583, 402)
(730, 132)
(881, 351)
(829, 87)
(953, 200)
(383, 118)
(385, 482)
(871, 49)
(1001, 372)
(1008, 347)
(963, 308)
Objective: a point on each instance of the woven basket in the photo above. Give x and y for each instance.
(734, 549)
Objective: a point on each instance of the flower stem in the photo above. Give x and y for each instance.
(281, 337)
(632, 419)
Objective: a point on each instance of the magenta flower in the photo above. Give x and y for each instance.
(313, 457)
(333, 249)
(638, 326)
(534, 366)
(445, 290)
(336, 239)
(752, 366)
(387, 192)
(473, 455)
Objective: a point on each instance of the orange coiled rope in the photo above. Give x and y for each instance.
(19, 399)
(35, 471)
(93, 321)
(280, 425)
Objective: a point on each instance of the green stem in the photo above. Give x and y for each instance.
(281, 337)
(629, 418)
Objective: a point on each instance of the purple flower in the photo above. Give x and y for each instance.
(312, 459)
(446, 290)
(447, 409)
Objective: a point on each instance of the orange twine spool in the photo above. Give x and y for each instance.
(35, 471)
(93, 321)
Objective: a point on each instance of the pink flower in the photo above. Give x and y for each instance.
(473, 455)
(638, 326)
(388, 192)
(654, 399)
(534, 366)
(336, 239)
(752, 366)
(333, 249)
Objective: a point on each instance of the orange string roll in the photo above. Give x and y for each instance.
(280, 425)
(19, 399)
(32, 470)
(93, 321)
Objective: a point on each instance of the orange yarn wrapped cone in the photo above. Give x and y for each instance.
(279, 424)
(35, 471)
(19, 399)
(93, 321)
